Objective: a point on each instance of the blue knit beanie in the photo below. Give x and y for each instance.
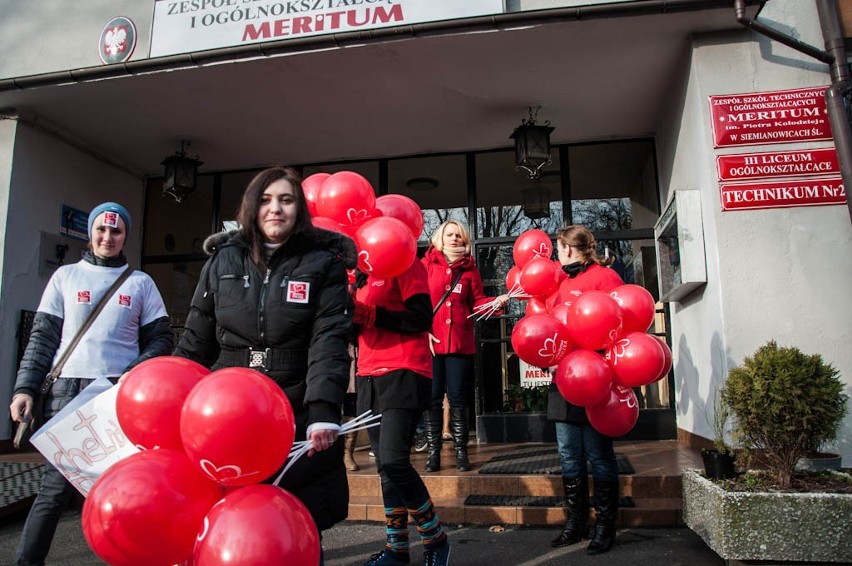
(109, 207)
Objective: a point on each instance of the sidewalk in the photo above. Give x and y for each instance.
(351, 543)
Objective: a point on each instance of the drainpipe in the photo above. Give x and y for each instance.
(839, 94)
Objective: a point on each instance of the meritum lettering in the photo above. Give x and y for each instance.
(773, 114)
(327, 22)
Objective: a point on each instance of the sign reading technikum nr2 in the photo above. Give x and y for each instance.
(183, 26)
(782, 193)
(780, 116)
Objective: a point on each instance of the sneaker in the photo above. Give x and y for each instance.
(420, 443)
(386, 558)
(371, 454)
(437, 556)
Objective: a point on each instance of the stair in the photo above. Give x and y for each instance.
(655, 488)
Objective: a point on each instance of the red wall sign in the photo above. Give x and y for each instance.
(780, 116)
(797, 163)
(781, 194)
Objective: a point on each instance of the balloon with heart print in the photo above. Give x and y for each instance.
(637, 306)
(311, 187)
(667, 354)
(402, 208)
(595, 320)
(150, 398)
(616, 415)
(540, 277)
(583, 378)
(540, 340)
(258, 525)
(530, 244)
(386, 247)
(348, 198)
(147, 509)
(636, 358)
(237, 426)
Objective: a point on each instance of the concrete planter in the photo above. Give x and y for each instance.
(807, 527)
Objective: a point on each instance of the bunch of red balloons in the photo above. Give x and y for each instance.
(385, 229)
(190, 495)
(571, 334)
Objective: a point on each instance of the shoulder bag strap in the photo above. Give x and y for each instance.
(51, 377)
(447, 292)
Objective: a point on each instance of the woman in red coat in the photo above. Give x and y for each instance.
(455, 287)
(576, 440)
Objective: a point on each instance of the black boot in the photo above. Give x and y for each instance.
(461, 433)
(577, 505)
(606, 511)
(433, 421)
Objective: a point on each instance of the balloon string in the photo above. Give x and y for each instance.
(363, 421)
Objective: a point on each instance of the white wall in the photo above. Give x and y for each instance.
(778, 274)
(46, 173)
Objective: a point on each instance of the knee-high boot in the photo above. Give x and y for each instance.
(432, 419)
(349, 442)
(577, 506)
(606, 512)
(461, 434)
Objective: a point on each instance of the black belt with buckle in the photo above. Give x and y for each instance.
(257, 358)
(261, 359)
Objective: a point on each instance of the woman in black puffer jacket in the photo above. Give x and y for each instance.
(274, 297)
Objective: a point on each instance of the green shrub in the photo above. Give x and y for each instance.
(784, 403)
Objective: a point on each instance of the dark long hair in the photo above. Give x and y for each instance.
(250, 205)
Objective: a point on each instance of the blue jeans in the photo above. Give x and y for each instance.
(55, 491)
(449, 375)
(576, 444)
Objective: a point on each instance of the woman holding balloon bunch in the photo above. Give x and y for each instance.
(455, 286)
(577, 441)
(132, 327)
(274, 297)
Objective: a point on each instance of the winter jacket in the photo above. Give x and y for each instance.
(593, 278)
(451, 323)
(299, 312)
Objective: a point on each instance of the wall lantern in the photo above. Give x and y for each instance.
(532, 144)
(536, 202)
(181, 173)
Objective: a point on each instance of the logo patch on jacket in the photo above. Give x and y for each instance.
(124, 301)
(458, 288)
(298, 292)
(84, 297)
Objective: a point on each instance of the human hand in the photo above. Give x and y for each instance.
(503, 300)
(432, 342)
(364, 314)
(322, 438)
(21, 407)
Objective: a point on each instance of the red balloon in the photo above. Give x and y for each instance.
(237, 426)
(148, 509)
(595, 320)
(530, 244)
(329, 224)
(513, 282)
(617, 415)
(402, 208)
(535, 306)
(540, 340)
(637, 306)
(560, 313)
(150, 398)
(637, 359)
(258, 524)
(386, 247)
(311, 186)
(584, 378)
(346, 197)
(540, 277)
(667, 354)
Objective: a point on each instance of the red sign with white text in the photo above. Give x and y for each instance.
(797, 163)
(780, 116)
(782, 194)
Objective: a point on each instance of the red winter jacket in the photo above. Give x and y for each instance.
(451, 324)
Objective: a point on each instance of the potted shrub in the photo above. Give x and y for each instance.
(782, 404)
(719, 460)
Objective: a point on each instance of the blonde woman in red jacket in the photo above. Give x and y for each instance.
(455, 287)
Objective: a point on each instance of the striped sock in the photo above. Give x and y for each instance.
(428, 525)
(396, 528)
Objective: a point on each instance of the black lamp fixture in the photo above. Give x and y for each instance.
(536, 201)
(181, 173)
(532, 144)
